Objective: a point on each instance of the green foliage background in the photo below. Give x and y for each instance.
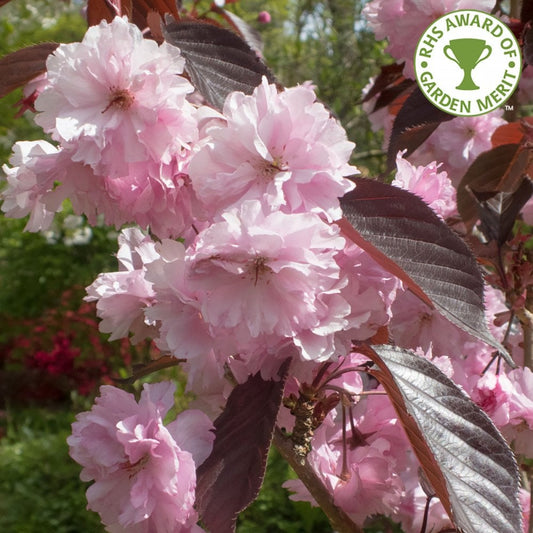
(40, 491)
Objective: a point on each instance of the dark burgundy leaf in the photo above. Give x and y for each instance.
(527, 49)
(526, 12)
(500, 169)
(389, 75)
(162, 7)
(137, 12)
(416, 121)
(20, 67)
(386, 262)
(391, 93)
(217, 60)
(498, 210)
(230, 478)
(153, 22)
(98, 10)
(402, 227)
(513, 132)
(467, 461)
(250, 35)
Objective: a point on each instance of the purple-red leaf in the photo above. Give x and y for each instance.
(518, 132)
(402, 227)
(498, 210)
(417, 119)
(383, 260)
(526, 12)
(137, 12)
(500, 169)
(527, 48)
(230, 478)
(98, 10)
(250, 35)
(390, 94)
(467, 461)
(20, 67)
(217, 60)
(389, 76)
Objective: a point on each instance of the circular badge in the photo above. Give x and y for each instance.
(467, 63)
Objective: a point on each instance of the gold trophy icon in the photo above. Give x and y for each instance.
(467, 53)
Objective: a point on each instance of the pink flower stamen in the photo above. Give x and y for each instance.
(135, 468)
(121, 99)
(268, 169)
(259, 268)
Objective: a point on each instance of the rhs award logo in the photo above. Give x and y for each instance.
(467, 63)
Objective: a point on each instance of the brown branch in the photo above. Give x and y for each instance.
(527, 324)
(339, 520)
(530, 526)
(515, 7)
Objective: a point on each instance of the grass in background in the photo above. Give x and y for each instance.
(40, 489)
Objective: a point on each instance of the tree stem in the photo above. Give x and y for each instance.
(527, 327)
(339, 520)
(515, 8)
(530, 527)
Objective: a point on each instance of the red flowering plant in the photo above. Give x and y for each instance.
(48, 357)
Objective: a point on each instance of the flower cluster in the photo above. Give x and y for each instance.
(252, 194)
(125, 131)
(262, 265)
(144, 471)
(236, 259)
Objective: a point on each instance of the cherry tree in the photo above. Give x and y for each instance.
(378, 334)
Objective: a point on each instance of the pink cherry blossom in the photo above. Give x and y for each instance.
(371, 485)
(43, 176)
(116, 99)
(458, 142)
(264, 278)
(156, 196)
(403, 22)
(520, 432)
(506, 398)
(123, 296)
(370, 291)
(144, 472)
(492, 393)
(521, 408)
(527, 212)
(413, 503)
(29, 178)
(415, 325)
(281, 148)
(434, 187)
(181, 327)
